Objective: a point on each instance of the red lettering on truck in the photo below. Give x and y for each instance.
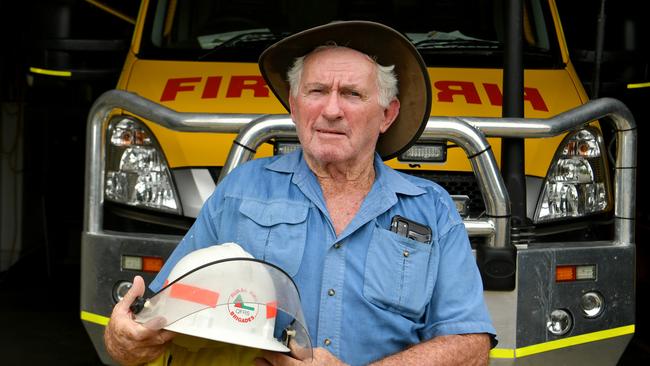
(211, 87)
(447, 90)
(531, 95)
(236, 86)
(253, 82)
(174, 86)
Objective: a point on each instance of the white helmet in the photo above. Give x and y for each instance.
(222, 293)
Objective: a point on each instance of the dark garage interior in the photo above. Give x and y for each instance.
(42, 145)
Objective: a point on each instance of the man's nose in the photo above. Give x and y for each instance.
(332, 109)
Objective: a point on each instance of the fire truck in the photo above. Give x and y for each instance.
(553, 233)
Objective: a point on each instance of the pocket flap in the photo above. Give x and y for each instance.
(274, 212)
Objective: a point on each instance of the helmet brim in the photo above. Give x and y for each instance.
(241, 301)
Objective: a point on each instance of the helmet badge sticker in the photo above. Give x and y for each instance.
(243, 305)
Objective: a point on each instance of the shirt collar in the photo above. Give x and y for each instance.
(387, 178)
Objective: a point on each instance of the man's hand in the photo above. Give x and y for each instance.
(128, 342)
(321, 357)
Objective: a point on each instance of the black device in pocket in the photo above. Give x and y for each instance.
(411, 229)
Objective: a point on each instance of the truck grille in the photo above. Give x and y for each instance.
(456, 184)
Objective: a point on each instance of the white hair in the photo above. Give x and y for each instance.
(386, 77)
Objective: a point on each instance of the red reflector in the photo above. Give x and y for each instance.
(152, 264)
(194, 294)
(565, 273)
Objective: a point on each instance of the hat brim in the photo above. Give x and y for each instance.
(383, 43)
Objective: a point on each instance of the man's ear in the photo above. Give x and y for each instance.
(292, 102)
(390, 114)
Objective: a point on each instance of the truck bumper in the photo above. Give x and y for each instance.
(519, 316)
(101, 271)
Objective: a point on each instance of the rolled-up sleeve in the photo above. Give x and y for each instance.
(457, 305)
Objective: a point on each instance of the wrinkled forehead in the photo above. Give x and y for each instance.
(326, 59)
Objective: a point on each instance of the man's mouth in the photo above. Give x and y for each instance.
(331, 132)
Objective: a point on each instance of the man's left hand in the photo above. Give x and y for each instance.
(321, 357)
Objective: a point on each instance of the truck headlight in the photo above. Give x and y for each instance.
(577, 182)
(136, 170)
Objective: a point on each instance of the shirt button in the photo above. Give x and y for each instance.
(331, 292)
(327, 342)
(337, 245)
(406, 253)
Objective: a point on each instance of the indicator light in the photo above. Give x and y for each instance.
(568, 273)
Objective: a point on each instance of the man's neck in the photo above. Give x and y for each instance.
(360, 172)
(344, 188)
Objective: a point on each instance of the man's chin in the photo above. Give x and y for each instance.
(331, 156)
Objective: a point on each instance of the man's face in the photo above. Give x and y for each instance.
(336, 109)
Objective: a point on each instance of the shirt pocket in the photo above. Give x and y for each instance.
(274, 232)
(400, 273)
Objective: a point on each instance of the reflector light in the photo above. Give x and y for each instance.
(50, 72)
(132, 263)
(143, 264)
(587, 272)
(575, 273)
(565, 273)
(152, 264)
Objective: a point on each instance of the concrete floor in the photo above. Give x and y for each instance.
(40, 325)
(39, 319)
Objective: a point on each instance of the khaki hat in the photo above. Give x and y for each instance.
(383, 43)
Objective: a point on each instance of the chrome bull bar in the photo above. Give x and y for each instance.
(468, 133)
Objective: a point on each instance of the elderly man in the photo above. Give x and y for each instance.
(324, 213)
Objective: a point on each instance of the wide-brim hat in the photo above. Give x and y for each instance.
(388, 47)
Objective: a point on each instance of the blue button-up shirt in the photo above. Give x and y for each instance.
(368, 292)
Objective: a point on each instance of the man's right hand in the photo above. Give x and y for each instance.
(129, 342)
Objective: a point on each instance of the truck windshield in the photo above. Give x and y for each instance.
(445, 31)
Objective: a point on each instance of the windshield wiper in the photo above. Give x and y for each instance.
(456, 43)
(254, 36)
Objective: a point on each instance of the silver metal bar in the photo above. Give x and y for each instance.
(563, 122)
(480, 227)
(469, 138)
(255, 134)
(490, 182)
(457, 129)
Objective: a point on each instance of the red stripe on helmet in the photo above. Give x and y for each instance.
(271, 309)
(194, 294)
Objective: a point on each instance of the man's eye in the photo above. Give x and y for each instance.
(315, 91)
(352, 93)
